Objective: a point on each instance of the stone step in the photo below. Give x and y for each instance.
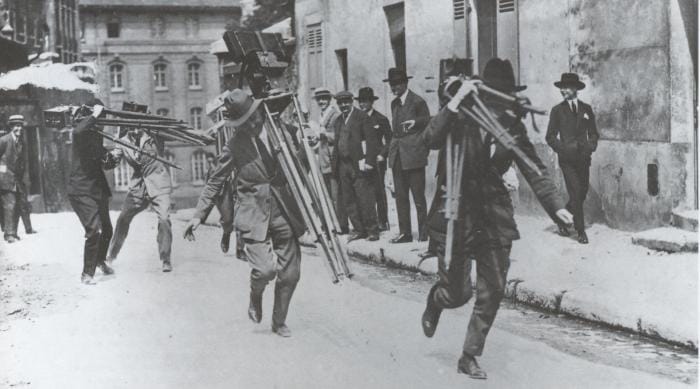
(686, 220)
(667, 239)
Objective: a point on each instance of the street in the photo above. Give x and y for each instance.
(142, 328)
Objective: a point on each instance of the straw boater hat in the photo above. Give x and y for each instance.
(16, 119)
(344, 95)
(498, 74)
(322, 92)
(240, 106)
(570, 79)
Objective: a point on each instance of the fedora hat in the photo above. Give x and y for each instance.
(397, 76)
(344, 95)
(569, 79)
(498, 74)
(14, 119)
(240, 106)
(366, 93)
(322, 92)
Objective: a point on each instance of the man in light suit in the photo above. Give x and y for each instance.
(573, 135)
(408, 155)
(12, 165)
(266, 213)
(354, 161)
(150, 185)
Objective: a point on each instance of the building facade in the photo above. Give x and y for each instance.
(638, 59)
(156, 53)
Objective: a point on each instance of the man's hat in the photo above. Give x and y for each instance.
(16, 119)
(240, 106)
(397, 76)
(366, 93)
(322, 92)
(569, 79)
(498, 74)
(344, 95)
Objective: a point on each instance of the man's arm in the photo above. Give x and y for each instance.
(422, 116)
(592, 131)
(552, 136)
(435, 134)
(215, 184)
(385, 131)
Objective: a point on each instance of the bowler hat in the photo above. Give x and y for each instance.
(498, 74)
(16, 119)
(343, 95)
(322, 92)
(366, 93)
(397, 76)
(569, 79)
(239, 106)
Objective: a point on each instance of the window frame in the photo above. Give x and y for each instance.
(121, 88)
(199, 117)
(197, 74)
(162, 86)
(198, 164)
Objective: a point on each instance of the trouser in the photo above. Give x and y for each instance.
(358, 194)
(224, 203)
(133, 205)
(278, 256)
(333, 185)
(576, 176)
(454, 287)
(380, 194)
(94, 216)
(9, 212)
(23, 209)
(413, 180)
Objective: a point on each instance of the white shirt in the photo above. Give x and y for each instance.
(263, 137)
(369, 113)
(573, 102)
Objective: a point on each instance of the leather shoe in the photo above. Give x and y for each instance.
(356, 236)
(11, 239)
(106, 270)
(31, 231)
(431, 316)
(373, 237)
(240, 254)
(383, 226)
(402, 238)
(562, 230)
(87, 279)
(255, 307)
(225, 241)
(282, 330)
(582, 238)
(467, 365)
(167, 267)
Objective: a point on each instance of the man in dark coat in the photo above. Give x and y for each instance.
(381, 127)
(485, 226)
(88, 191)
(354, 161)
(12, 165)
(266, 213)
(408, 155)
(573, 135)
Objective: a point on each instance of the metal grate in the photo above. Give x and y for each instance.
(459, 7)
(506, 6)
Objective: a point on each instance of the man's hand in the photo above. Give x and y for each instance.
(97, 110)
(565, 216)
(191, 227)
(408, 124)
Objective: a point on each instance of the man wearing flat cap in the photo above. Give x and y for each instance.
(573, 135)
(485, 228)
(381, 127)
(12, 189)
(408, 155)
(355, 162)
(266, 214)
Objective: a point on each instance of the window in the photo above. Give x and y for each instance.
(397, 33)
(199, 167)
(116, 77)
(193, 76)
(159, 73)
(342, 55)
(113, 28)
(173, 178)
(162, 112)
(314, 45)
(122, 176)
(196, 118)
(191, 26)
(157, 26)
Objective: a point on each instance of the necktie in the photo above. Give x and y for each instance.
(573, 107)
(266, 157)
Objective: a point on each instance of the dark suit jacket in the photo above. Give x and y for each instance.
(254, 188)
(485, 203)
(150, 177)
(12, 163)
(573, 137)
(86, 176)
(382, 128)
(356, 131)
(409, 145)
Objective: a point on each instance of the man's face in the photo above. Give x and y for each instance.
(398, 88)
(569, 93)
(323, 102)
(17, 129)
(345, 105)
(253, 126)
(366, 105)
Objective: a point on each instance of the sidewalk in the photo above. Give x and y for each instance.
(610, 280)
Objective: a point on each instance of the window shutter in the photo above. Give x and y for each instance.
(459, 7)
(506, 6)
